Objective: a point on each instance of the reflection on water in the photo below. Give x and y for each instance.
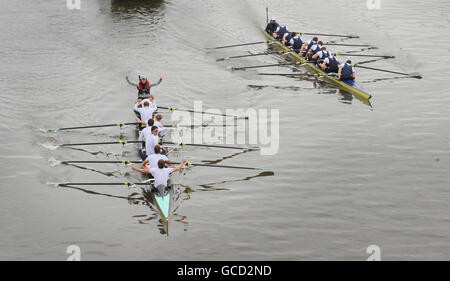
(126, 9)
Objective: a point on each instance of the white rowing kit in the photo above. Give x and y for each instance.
(161, 176)
(154, 158)
(150, 140)
(145, 112)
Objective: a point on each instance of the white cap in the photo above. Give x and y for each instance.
(142, 77)
(273, 19)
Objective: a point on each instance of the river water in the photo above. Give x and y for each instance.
(346, 175)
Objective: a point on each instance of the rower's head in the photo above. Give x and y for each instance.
(146, 104)
(324, 48)
(150, 122)
(293, 34)
(151, 98)
(142, 78)
(155, 130)
(158, 117)
(161, 163)
(273, 20)
(157, 149)
(315, 39)
(349, 62)
(320, 43)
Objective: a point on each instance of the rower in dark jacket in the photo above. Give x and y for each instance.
(272, 26)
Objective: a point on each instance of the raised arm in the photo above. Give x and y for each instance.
(129, 82)
(179, 167)
(157, 83)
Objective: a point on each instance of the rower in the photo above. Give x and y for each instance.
(346, 72)
(143, 86)
(157, 123)
(321, 55)
(281, 33)
(151, 138)
(272, 26)
(296, 42)
(160, 173)
(315, 48)
(153, 159)
(145, 112)
(330, 64)
(308, 45)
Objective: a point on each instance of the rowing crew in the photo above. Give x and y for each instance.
(156, 162)
(314, 51)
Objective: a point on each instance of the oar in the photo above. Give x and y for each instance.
(219, 166)
(269, 65)
(361, 55)
(412, 75)
(291, 74)
(243, 44)
(248, 148)
(95, 126)
(100, 143)
(137, 141)
(103, 183)
(350, 45)
(334, 35)
(200, 125)
(202, 112)
(140, 161)
(126, 162)
(254, 55)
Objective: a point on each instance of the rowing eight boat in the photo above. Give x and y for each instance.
(351, 87)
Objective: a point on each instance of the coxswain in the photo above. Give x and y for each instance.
(150, 136)
(330, 64)
(296, 42)
(145, 109)
(346, 72)
(272, 26)
(161, 173)
(308, 45)
(143, 86)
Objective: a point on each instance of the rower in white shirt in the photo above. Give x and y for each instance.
(161, 173)
(157, 122)
(151, 138)
(145, 109)
(152, 159)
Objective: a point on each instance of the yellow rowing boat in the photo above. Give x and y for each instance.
(352, 87)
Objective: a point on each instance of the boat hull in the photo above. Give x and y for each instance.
(355, 89)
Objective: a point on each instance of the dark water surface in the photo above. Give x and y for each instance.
(346, 175)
